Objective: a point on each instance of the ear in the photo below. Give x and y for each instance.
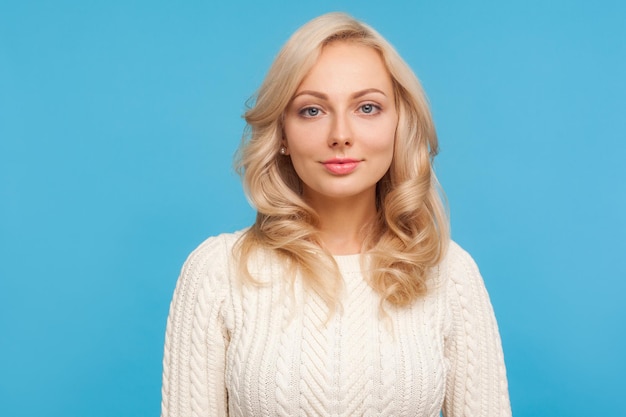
(284, 145)
(283, 150)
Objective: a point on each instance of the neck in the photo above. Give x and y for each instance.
(341, 223)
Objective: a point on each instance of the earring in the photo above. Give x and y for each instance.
(283, 150)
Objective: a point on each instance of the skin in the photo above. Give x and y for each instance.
(340, 133)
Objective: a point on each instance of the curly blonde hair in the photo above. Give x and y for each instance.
(410, 233)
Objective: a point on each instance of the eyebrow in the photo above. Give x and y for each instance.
(323, 96)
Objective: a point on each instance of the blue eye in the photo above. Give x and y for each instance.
(310, 112)
(369, 108)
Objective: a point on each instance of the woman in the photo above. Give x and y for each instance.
(346, 296)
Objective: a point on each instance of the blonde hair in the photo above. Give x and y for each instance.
(410, 233)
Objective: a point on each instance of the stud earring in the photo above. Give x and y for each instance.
(283, 150)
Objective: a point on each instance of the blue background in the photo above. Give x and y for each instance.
(118, 122)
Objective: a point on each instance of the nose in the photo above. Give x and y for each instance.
(340, 132)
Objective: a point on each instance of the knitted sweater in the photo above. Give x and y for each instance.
(243, 350)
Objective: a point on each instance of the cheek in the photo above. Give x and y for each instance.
(382, 139)
(299, 148)
(304, 142)
(297, 137)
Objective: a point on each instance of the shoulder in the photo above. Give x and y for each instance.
(463, 281)
(466, 298)
(210, 263)
(457, 264)
(215, 248)
(460, 276)
(456, 253)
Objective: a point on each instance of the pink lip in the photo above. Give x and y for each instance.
(341, 166)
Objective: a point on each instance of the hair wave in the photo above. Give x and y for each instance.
(410, 233)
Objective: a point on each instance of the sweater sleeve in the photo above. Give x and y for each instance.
(196, 337)
(476, 383)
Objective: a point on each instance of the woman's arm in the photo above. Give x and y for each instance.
(196, 339)
(476, 384)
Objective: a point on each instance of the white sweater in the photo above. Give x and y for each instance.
(271, 351)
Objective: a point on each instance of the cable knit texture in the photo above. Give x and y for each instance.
(234, 350)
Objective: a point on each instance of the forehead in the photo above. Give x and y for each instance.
(347, 64)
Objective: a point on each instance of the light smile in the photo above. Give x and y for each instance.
(341, 166)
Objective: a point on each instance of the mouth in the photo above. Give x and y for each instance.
(341, 166)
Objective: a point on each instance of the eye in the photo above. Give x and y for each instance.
(369, 108)
(310, 112)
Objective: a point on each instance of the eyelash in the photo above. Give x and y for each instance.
(375, 108)
(304, 112)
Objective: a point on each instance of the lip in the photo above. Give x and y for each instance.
(341, 166)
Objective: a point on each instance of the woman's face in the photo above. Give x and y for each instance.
(340, 125)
